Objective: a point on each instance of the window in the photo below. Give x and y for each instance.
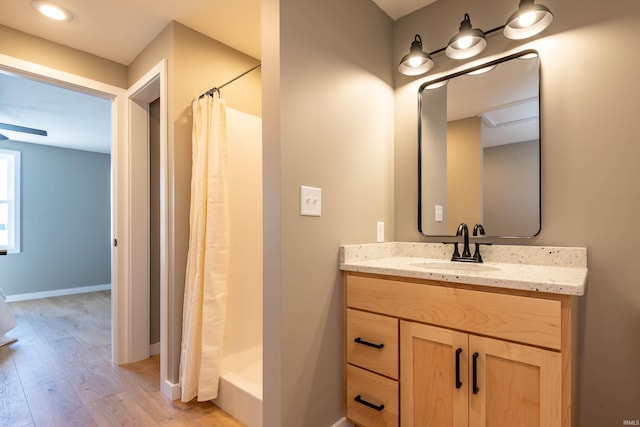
(10, 200)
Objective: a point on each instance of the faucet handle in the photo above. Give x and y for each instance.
(478, 230)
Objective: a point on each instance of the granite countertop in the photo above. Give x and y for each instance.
(555, 270)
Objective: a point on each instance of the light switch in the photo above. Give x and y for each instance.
(310, 201)
(438, 213)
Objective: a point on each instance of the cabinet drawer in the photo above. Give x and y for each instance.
(518, 318)
(372, 342)
(375, 390)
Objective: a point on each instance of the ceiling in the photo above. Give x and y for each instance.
(72, 119)
(398, 8)
(118, 30)
(505, 99)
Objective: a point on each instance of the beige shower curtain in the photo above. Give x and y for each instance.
(205, 294)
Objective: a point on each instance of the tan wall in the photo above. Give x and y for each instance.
(195, 64)
(161, 47)
(272, 368)
(589, 171)
(464, 173)
(328, 118)
(43, 52)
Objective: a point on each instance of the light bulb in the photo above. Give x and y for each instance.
(415, 61)
(51, 10)
(464, 42)
(527, 19)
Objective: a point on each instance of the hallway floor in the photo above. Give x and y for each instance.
(59, 373)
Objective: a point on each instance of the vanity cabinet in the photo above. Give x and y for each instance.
(428, 353)
(455, 379)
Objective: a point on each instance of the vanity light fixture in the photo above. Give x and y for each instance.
(530, 19)
(52, 10)
(416, 61)
(467, 43)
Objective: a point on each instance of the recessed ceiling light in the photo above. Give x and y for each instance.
(52, 10)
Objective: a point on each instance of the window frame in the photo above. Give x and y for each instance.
(13, 200)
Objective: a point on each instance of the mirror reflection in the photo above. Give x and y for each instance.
(479, 149)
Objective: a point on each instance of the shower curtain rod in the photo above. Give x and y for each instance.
(213, 90)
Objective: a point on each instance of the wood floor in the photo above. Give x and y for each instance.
(59, 373)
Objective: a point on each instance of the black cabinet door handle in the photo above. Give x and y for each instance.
(369, 404)
(475, 373)
(458, 382)
(367, 343)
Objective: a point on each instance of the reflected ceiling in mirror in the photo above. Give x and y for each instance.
(479, 149)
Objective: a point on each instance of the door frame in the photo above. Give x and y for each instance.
(148, 88)
(125, 113)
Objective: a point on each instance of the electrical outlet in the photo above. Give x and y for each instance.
(310, 201)
(438, 213)
(380, 232)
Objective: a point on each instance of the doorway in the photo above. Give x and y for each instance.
(130, 227)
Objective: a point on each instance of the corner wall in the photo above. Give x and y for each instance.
(328, 117)
(589, 170)
(195, 64)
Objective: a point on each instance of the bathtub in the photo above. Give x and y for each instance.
(240, 391)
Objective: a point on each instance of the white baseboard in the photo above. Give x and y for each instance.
(342, 422)
(58, 293)
(154, 349)
(170, 390)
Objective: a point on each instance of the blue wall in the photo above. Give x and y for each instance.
(65, 221)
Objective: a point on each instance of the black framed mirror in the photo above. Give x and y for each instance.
(479, 149)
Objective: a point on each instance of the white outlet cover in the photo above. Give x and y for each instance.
(380, 232)
(310, 201)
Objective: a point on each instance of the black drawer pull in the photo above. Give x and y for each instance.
(367, 343)
(369, 404)
(476, 389)
(458, 382)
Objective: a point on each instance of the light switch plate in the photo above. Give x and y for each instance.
(438, 213)
(310, 201)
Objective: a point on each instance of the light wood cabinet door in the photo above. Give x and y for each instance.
(517, 385)
(433, 376)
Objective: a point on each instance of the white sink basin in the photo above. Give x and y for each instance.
(450, 265)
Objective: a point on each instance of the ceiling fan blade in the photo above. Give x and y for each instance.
(23, 129)
(3, 138)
